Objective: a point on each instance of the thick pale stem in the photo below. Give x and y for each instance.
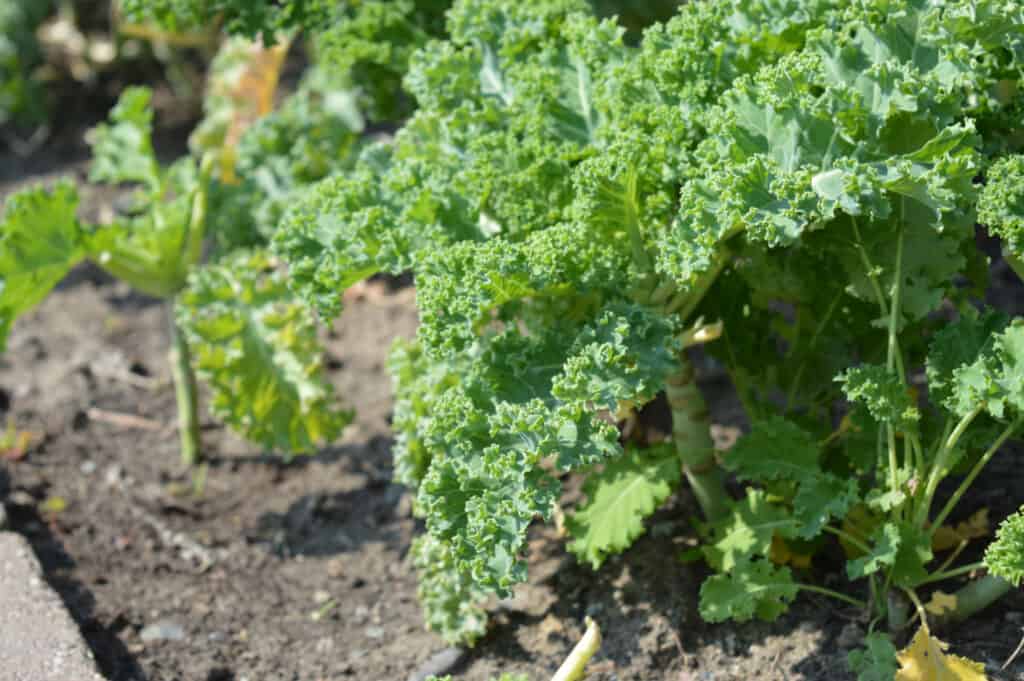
(691, 432)
(977, 596)
(187, 396)
(575, 665)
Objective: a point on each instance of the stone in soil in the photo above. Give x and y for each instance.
(40, 641)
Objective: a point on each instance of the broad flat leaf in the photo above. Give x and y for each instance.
(40, 240)
(925, 659)
(775, 449)
(752, 588)
(256, 346)
(619, 498)
(876, 661)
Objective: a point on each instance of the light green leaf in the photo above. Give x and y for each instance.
(753, 588)
(619, 498)
(40, 240)
(257, 348)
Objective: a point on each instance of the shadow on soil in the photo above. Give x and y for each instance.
(113, 658)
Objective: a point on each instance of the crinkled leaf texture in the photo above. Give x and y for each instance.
(256, 346)
(448, 595)
(754, 588)
(1001, 207)
(619, 498)
(40, 240)
(1005, 556)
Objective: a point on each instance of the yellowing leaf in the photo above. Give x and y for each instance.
(783, 554)
(941, 603)
(925, 659)
(948, 537)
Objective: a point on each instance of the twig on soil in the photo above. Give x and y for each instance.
(124, 420)
(1016, 652)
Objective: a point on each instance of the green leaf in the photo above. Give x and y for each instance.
(123, 149)
(40, 241)
(452, 604)
(775, 449)
(619, 498)
(257, 348)
(876, 661)
(881, 391)
(958, 344)
(820, 499)
(1004, 557)
(752, 588)
(1001, 206)
(885, 545)
(747, 532)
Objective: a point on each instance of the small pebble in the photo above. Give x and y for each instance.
(88, 467)
(439, 664)
(375, 632)
(163, 630)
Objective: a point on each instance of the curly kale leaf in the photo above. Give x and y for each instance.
(249, 18)
(40, 241)
(995, 380)
(1001, 207)
(257, 348)
(864, 131)
(959, 344)
(1005, 556)
(450, 599)
(881, 391)
(495, 434)
(418, 382)
(619, 498)
(752, 588)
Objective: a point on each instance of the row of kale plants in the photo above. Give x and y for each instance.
(794, 185)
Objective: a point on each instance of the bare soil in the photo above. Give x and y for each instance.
(310, 577)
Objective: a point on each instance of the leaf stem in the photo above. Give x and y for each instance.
(975, 471)
(949, 574)
(842, 534)
(186, 393)
(941, 462)
(834, 594)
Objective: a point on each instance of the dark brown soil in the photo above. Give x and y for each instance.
(329, 534)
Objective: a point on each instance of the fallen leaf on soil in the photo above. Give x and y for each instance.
(948, 536)
(925, 659)
(941, 603)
